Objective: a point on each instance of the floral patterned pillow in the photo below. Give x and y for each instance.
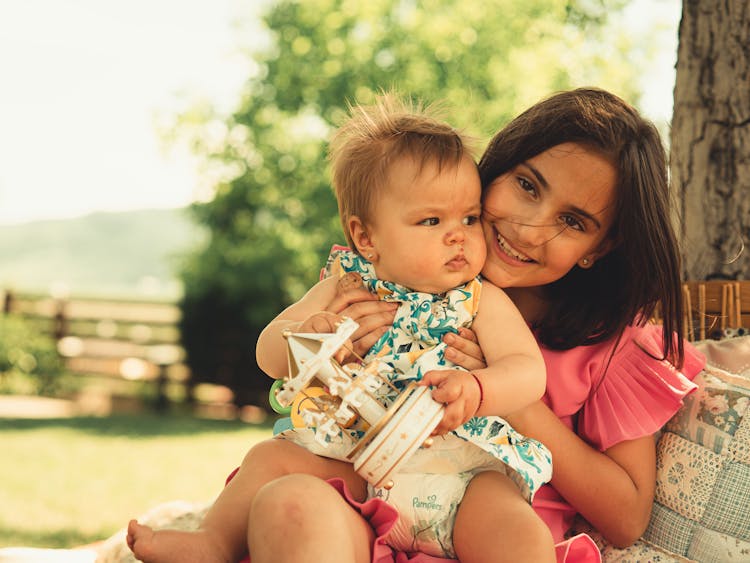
(702, 505)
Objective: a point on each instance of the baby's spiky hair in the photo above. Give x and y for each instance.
(364, 148)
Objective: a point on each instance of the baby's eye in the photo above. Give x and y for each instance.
(430, 222)
(471, 219)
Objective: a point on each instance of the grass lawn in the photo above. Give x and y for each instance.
(71, 481)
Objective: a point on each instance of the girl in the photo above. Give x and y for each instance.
(587, 293)
(409, 200)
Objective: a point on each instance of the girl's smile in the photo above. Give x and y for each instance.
(508, 253)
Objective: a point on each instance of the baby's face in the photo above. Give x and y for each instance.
(426, 229)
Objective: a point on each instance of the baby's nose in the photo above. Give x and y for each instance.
(455, 235)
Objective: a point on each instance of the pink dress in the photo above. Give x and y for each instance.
(635, 399)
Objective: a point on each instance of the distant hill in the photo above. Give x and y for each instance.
(126, 254)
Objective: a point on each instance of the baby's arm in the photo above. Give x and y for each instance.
(515, 373)
(306, 315)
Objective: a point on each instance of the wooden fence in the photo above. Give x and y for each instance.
(122, 339)
(139, 341)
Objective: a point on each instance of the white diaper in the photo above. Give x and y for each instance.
(427, 504)
(427, 493)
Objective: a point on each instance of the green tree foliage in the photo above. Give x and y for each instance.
(273, 216)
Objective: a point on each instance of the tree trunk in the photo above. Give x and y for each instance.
(710, 154)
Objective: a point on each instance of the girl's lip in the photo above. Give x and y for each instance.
(506, 254)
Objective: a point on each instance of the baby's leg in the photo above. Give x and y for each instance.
(302, 518)
(495, 524)
(222, 536)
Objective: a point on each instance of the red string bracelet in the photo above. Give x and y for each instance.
(481, 389)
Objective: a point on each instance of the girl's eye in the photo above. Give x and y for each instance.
(573, 222)
(526, 186)
(430, 222)
(471, 220)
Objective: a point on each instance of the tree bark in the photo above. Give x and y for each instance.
(710, 139)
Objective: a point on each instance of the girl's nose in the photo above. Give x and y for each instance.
(532, 236)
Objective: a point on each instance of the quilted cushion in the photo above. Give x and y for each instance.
(702, 505)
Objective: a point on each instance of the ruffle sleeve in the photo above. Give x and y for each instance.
(638, 393)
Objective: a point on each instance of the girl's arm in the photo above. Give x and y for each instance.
(613, 490)
(270, 351)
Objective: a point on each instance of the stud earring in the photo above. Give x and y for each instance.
(369, 256)
(585, 261)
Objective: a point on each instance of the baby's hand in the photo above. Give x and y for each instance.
(458, 391)
(324, 322)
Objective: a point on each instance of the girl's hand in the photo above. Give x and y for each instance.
(374, 317)
(458, 391)
(463, 349)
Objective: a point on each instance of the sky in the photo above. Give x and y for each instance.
(83, 83)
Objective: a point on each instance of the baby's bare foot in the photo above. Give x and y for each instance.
(164, 546)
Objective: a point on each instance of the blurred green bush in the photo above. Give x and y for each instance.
(29, 362)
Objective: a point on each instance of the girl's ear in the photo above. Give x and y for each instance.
(604, 247)
(361, 238)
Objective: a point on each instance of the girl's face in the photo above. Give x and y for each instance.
(425, 232)
(547, 215)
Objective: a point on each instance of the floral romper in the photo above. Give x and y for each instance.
(412, 347)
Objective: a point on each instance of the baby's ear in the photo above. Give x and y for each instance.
(361, 237)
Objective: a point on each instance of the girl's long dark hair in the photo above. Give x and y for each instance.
(642, 270)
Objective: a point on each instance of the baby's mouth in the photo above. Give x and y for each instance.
(510, 251)
(458, 261)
